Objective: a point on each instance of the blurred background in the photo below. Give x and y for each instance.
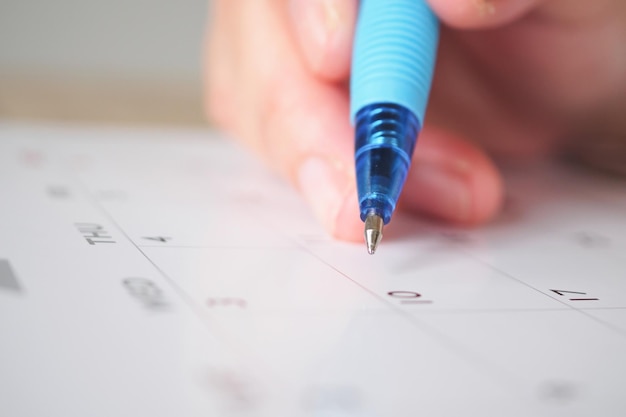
(114, 61)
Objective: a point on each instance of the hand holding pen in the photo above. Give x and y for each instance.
(515, 79)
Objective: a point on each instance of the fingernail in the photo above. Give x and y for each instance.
(441, 191)
(485, 7)
(324, 188)
(316, 22)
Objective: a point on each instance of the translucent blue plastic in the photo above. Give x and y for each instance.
(392, 70)
(385, 138)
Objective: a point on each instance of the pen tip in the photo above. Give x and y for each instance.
(373, 232)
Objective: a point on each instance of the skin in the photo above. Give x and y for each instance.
(516, 80)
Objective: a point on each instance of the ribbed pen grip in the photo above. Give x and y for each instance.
(394, 55)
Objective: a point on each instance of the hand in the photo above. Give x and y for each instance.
(516, 78)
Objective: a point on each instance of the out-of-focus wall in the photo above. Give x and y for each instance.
(135, 61)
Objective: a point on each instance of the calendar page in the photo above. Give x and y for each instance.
(169, 273)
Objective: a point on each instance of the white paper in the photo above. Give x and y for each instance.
(168, 273)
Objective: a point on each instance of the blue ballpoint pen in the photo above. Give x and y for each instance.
(392, 69)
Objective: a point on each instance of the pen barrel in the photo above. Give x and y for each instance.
(384, 141)
(394, 55)
(392, 70)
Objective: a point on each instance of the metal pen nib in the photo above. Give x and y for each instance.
(373, 232)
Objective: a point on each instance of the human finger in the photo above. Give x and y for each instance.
(324, 31)
(452, 179)
(481, 14)
(300, 124)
